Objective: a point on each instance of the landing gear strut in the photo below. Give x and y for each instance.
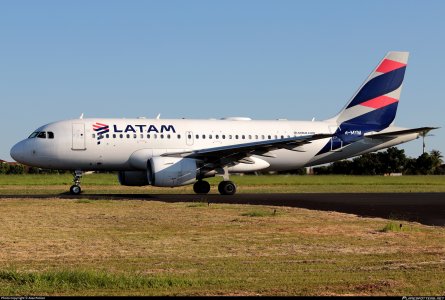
(226, 187)
(75, 188)
(201, 187)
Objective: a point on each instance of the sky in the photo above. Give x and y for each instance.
(212, 59)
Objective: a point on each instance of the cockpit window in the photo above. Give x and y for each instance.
(33, 135)
(42, 135)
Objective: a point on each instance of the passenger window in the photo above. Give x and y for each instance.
(168, 136)
(203, 136)
(197, 136)
(179, 136)
(216, 136)
(224, 136)
(128, 136)
(42, 135)
(107, 136)
(236, 137)
(114, 136)
(94, 136)
(148, 136)
(230, 136)
(263, 137)
(269, 137)
(256, 137)
(210, 136)
(121, 135)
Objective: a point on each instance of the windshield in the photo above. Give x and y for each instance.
(33, 135)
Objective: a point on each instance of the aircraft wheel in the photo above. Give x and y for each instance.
(227, 188)
(75, 190)
(201, 187)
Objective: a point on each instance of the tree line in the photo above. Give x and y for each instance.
(390, 161)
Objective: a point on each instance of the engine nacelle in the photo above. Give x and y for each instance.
(171, 171)
(133, 178)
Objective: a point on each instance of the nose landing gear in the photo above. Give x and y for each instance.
(75, 189)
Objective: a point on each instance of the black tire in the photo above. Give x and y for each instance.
(201, 187)
(227, 188)
(75, 190)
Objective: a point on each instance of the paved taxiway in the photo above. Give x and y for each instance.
(425, 208)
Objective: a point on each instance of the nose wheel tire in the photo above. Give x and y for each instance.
(201, 187)
(75, 190)
(227, 188)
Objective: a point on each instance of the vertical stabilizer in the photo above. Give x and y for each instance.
(375, 104)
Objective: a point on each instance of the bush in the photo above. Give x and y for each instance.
(16, 169)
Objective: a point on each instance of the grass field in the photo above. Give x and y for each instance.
(122, 247)
(108, 183)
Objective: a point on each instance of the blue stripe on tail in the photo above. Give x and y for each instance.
(379, 86)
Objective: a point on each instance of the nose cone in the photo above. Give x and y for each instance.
(17, 152)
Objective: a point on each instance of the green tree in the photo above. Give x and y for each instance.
(16, 169)
(437, 161)
(4, 168)
(392, 160)
(424, 164)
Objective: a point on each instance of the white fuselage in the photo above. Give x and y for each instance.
(129, 143)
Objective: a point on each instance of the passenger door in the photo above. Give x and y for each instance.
(78, 136)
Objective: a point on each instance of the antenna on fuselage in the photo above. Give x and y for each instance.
(81, 116)
(158, 116)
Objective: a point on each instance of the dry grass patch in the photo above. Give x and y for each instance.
(216, 249)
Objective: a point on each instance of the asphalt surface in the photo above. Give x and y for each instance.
(425, 208)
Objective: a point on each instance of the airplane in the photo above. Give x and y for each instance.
(177, 152)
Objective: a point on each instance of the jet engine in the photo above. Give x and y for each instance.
(171, 171)
(162, 171)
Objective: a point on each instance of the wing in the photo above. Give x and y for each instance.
(225, 155)
(393, 134)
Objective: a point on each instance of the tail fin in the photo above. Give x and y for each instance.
(374, 105)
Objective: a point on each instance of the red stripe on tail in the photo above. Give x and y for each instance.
(388, 65)
(379, 102)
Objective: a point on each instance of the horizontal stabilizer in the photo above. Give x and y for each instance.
(393, 134)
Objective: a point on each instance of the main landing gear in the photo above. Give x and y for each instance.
(201, 187)
(225, 187)
(75, 188)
